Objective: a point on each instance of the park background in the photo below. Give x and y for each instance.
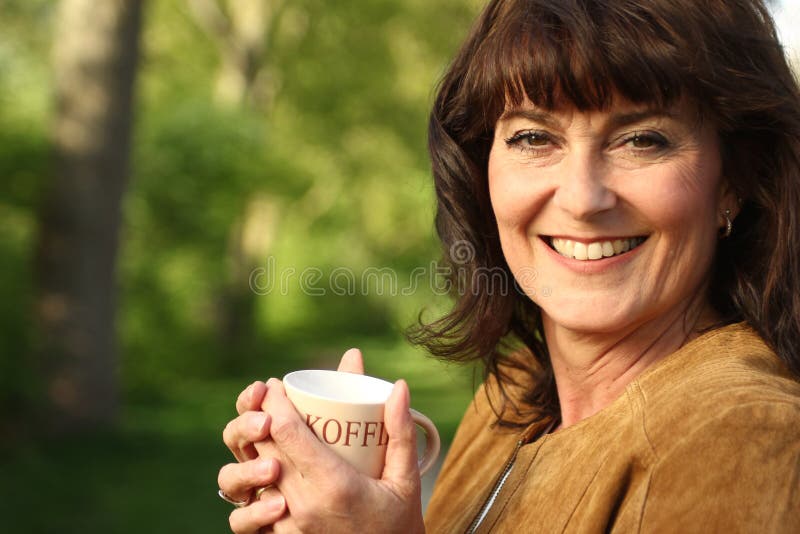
(195, 194)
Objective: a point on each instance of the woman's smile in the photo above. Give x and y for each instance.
(588, 256)
(594, 249)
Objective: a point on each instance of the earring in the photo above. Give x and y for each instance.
(728, 224)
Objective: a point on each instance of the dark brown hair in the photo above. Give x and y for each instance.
(723, 55)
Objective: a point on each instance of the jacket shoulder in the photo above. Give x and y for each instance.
(728, 375)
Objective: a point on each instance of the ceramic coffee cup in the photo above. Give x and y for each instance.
(345, 411)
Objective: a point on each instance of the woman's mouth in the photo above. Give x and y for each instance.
(595, 250)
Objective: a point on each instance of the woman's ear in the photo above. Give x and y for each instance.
(730, 200)
(728, 207)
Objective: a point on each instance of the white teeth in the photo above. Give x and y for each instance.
(594, 250)
(579, 252)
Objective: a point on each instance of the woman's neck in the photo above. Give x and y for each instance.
(592, 370)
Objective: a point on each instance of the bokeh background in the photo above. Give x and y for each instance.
(192, 195)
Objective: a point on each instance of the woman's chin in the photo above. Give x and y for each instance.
(587, 319)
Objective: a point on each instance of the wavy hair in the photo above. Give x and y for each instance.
(723, 55)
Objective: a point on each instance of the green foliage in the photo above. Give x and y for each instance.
(338, 154)
(24, 156)
(326, 171)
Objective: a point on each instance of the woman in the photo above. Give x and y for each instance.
(635, 166)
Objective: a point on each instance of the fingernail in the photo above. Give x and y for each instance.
(275, 503)
(261, 422)
(265, 468)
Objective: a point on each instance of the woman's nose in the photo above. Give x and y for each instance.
(581, 190)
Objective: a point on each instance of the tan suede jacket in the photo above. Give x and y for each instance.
(706, 440)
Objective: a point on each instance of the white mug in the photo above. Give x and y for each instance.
(345, 411)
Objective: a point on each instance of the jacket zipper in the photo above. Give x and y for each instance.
(487, 505)
(501, 480)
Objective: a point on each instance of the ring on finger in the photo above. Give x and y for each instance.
(259, 491)
(227, 498)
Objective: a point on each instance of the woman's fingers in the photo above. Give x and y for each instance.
(352, 362)
(321, 491)
(243, 482)
(296, 442)
(401, 452)
(250, 399)
(239, 480)
(261, 513)
(240, 434)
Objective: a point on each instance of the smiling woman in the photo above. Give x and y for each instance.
(565, 185)
(643, 158)
(566, 126)
(635, 167)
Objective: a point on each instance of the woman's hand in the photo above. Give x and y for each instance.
(252, 425)
(240, 480)
(322, 492)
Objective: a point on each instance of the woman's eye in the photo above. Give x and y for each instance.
(646, 140)
(529, 140)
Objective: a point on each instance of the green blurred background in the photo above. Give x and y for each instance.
(309, 153)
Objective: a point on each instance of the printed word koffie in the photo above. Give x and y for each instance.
(348, 433)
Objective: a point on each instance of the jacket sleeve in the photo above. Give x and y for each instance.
(737, 472)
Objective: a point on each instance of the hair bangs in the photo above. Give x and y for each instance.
(576, 54)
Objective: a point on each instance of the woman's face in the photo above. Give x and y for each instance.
(607, 219)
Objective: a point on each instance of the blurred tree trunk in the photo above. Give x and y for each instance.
(94, 58)
(241, 31)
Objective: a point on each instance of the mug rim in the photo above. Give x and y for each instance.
(290, 380)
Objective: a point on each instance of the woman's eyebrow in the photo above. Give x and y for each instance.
(534, 115)
(618, 120)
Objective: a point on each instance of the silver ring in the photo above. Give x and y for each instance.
(238, 504)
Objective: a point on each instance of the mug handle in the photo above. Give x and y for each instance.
(432, 442)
